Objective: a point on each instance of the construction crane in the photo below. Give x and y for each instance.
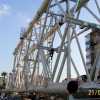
(45, 55)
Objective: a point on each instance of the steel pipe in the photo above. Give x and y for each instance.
(57, 88)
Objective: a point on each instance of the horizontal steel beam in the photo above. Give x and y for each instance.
(81, 22)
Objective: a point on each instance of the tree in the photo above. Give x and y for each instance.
(4, 74)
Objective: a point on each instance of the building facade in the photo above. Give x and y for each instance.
(93, 50)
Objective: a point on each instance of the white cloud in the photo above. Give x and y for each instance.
(4, 9)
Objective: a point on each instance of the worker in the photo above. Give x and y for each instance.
(98, 77)
(84, 78)
(51, 52)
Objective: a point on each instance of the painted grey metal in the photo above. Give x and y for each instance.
(58, 56)
(33, 52)
(62, 66)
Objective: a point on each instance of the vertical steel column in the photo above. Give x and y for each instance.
(75, 68)
(62, 66)
(93, 68)
(14, 70)
(69, 55)
(42, 33)
(69, 42)
(58, 56)
(25, 69)
(81, 54)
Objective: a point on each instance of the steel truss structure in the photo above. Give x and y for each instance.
(51, 47)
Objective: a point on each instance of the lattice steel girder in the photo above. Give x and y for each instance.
(43, 31)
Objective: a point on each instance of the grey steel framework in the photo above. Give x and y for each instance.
(51, 47)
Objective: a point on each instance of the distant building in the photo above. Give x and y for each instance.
(92, 48)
